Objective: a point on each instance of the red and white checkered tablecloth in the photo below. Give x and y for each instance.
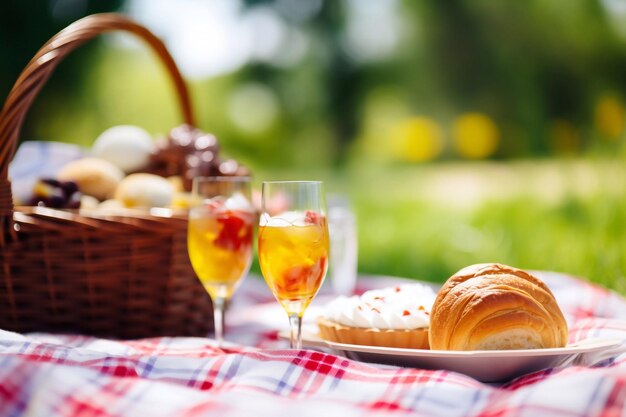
(51, 375)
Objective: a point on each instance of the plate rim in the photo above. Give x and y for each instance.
(582, 346)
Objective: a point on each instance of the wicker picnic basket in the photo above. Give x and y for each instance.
(125, 276)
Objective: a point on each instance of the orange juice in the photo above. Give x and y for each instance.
(294, 259)
(220, 248)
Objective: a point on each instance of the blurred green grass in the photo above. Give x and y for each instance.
(427, 222)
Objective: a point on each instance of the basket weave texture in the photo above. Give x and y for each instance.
(123, 276)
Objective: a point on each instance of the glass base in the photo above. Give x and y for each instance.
(295, 307)
(220, 290)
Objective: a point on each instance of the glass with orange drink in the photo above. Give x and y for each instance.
(293, 246)
(219, 238)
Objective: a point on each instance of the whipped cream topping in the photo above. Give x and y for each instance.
(402, 307)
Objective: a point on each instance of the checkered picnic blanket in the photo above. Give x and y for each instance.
(49, 375)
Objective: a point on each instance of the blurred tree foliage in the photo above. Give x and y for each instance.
(339, 80)
(525, 63)
(535, 68)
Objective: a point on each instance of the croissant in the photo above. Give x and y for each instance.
(494, 307)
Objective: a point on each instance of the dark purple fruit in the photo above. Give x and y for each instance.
(51, 181)
(55, 201)
(49, 192)
(69, 188)
(74, 201)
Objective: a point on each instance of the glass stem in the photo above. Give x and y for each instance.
(295, 322)
(219, 307)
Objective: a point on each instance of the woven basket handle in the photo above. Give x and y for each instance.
(40, 68)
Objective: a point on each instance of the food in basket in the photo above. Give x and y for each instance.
(189, 153)
(177, 183)
(160, 174)
(111, 204)
(89, 202)
(94, 176)
(49, 192)
(182, 201)
(125, 146)
(494, 306)
(391, 317)
(145, 190)
(182, 146)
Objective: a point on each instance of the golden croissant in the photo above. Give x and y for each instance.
(493, 307)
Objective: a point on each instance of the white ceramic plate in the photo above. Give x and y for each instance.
(483, 365)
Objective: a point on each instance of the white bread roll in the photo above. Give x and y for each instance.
(495, 307)
(94, 176)
(127, 147)
(145, 190)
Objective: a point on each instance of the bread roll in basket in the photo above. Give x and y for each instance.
(493, 307)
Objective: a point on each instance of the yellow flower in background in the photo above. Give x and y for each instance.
(609, 116)
(417, 139)
(564, 137)
(475, 135)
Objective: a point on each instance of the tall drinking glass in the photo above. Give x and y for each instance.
(220, 237)
(293, 246)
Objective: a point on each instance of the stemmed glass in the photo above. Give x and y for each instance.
(220, 237)
(293, 246)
